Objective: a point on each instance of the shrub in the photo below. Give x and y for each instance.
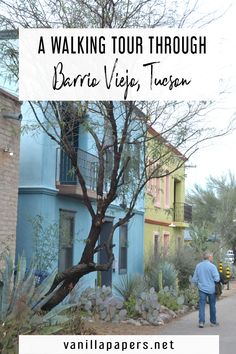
(130, 306)
(191, 297)
(45, 242)
(167, 299)
(185, 263)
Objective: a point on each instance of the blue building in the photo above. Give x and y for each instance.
(48, 189)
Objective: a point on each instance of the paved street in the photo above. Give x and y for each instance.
(226, 315)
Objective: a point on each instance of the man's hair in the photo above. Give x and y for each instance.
(206, 255)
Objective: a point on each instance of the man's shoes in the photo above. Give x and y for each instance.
(201, 325)
(214, 324)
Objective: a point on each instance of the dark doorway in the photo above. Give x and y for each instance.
(106, 276)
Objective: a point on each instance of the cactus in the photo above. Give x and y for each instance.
(20, 303)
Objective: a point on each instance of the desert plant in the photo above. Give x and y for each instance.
(129, 305)
(168, 299)
(129, 285)
(185, 263)
(20, 303)
(160, 269)
(19, 286)
(191, 296)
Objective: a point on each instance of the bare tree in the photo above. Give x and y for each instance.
(104, 13)
(129, 152)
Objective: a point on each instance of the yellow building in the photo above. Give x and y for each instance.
(166, 213)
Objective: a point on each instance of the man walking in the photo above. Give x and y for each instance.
(205, 276)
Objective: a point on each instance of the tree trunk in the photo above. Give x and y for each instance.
(64, 290)
(70, 277)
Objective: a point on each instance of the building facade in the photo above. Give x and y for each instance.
(49, 192)
(9, 169)
(166, 213)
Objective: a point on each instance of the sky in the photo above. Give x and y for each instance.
(218, 156)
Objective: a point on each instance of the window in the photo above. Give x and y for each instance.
(132, 150)
(150, 181)
(109, 152)
(157, 195)
(155, 245)
(70, 118)
(66, 239)
(154, 185)
(108, 168)
(166, 244)
(167, 190)
(149, 186)
(123, 251)
(154, 189)
(136, 160)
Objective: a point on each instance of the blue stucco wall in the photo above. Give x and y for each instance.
(47, 203)
(38, 156)
(38, 196)
(33, 202)
(38, 153)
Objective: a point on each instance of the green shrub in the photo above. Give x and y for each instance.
(168, 300)
(130, 306)
(185, 263)
(191, 296)
(45, 242)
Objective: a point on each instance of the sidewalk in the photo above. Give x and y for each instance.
(226, 315)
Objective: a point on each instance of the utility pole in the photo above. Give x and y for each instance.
(9, 34)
